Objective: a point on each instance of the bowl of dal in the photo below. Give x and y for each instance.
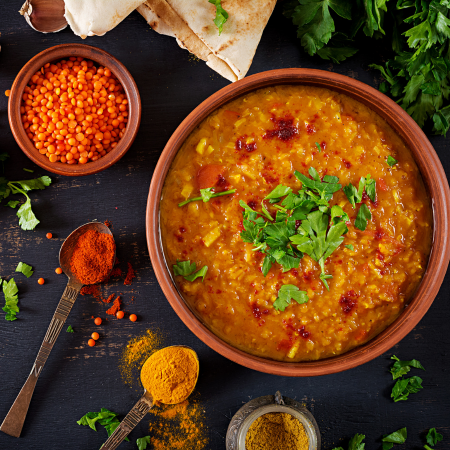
(297, 222)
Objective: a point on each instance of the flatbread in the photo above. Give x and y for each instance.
(96, 17)
(191, 22)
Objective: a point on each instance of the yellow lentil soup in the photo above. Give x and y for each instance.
(278, 136)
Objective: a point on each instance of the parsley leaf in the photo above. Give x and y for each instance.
(288, 292)
(350, 247)
(10, 291)
(221, 15)
(187, 270)
(391, 161)
(406, 386)
(28, 170)
(142, 442)
(363, 216)
(397, 437)
(206, 195)
(317, 144)
(13, 203)
(25, 269)
(70, 329)
(356, 442)
(433, 437)
(401, 368)
(279, 191)
(106, 418)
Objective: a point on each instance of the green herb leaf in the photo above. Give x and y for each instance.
(27, 219)
(317, 144)
(363, 216)
(288, 292)
(200, 273)
(401, 368)
(25, 269)
(28, 170)
(70, 329)
(433, 437)
(206, 195)
(221, 15)
(10, 291)
(13, 203)
(406, 386)
(279, 191)
(105, 418)
(183, 268)
(397, 437)
(391, 161)
(143, 442)
(386, 445)
(356, 442)
(350, 247)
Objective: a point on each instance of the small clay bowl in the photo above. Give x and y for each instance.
(435, 182)
(57, 53)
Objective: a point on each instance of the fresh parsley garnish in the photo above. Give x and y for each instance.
(106, 418)
(27, 219)
(13, 203)
(391, 161)
(143, 442)
(221, 15)
(433, 437)
(187, 270)
(70, 329)
(28, 170)
(401, 368)
(363, 216)
(406, 386)
(206, 195)
(288, 292)
(397, 437)
(10, 291)
(350, 247)
(25, 269)
(355, 443)
(304, 223)
(318, 147)
(355, 196)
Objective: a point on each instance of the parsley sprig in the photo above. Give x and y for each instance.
(355, 196)
(27, 219)
(143, 442)
(10, 291)
(206, 195)
(356, 443)
(319, 234)
(433, 437)
(288, 292)
(187, 270)
(397, 437)
(106, 418)
(221, 15)
(405, 386)
(25, 269)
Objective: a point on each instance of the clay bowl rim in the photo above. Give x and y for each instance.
(434, 178)
(99, 56)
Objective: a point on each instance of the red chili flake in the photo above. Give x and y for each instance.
(108, 223)
(382, 184)
(294, 272)
(348, 301)
(297, 223)
(222, 182)
(285, 130)
(179, 238)
(256, 311)
(218, 291)
(323, 144)
(182, 230)
(303, 333)
(109, 299)
(310, 129)
(241, 143)
(347, 164)
(115, 307)
(130, 275)
(270, 179)
(285, 344)
(252, 204)
(379, 234)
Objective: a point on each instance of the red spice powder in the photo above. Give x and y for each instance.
(93, 290)
(115, 307)
(130, 275)
(109, 299)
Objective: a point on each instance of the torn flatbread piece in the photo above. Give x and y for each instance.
(191, 22)
(96, 17)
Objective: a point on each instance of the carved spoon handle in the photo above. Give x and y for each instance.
(139, 410)
(13, 422)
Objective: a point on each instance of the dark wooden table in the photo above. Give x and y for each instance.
(77, 378)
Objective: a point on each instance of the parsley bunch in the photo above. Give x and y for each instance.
(321, 229)
(27, 219)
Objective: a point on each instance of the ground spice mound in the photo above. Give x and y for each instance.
(276, 431)
(135, 354)
(130, 275)
(179, 427)
(93, 257)
(115, 307)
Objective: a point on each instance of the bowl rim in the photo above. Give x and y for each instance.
(99, 56)
(432, 173)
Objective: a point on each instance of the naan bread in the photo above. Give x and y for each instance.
(96, 17)
(191, 22)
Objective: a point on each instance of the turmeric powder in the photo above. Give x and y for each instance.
(170, 374)
(276, 431)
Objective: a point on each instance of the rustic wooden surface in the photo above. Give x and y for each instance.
(77, 378)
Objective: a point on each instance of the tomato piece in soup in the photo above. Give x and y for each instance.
(209, 175)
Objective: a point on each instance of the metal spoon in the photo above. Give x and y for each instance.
(139, 410)
(13, 422)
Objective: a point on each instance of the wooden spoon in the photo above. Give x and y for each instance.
(140, 409)
(13, 422)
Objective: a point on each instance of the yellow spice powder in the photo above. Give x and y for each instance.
(276, 431)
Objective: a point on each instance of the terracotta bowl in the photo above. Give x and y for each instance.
(432, 173)
(99, 56)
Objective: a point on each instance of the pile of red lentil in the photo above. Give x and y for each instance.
(73, 111)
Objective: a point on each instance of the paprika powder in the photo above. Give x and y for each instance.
(93, 257)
